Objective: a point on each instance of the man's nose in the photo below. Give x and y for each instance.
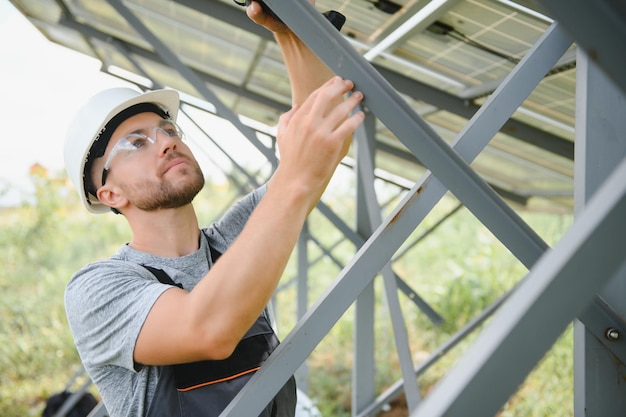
(164, 142)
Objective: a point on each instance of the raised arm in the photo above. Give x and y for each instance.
(306, 71)
(209, 321)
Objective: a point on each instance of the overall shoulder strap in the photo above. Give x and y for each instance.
(162, 276)
(215, 254)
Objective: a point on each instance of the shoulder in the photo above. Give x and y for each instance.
(106, 304)
(107, 273)
(109, 283)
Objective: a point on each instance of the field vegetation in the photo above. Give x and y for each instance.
(459, 270)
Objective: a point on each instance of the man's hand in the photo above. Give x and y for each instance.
(306, 71)
(259, 16)
(313, 137)
(209, 321)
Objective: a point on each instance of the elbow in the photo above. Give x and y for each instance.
(216, 347)
(222, 351)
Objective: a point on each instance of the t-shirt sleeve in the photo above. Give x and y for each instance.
(106, 305)
(223, 232)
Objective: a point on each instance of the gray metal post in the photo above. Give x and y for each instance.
(364, 369)
(366, 171)
(600, 145)
(447, 165)
(599, 27)
(558, 288)
(302, 289)
(378, 250)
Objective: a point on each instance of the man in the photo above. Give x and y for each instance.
(152, 348)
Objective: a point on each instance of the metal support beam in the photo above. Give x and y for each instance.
(365, 159)
(599, 352)
(559, 286)
(364, 369)
(191, 77)
(400, 18)
(447, 165)
(324, 313)
(396, 389)
(358, 240)
(385, 241)
(302, 296)
(253, 182)
(599, 27)
(544, 281)
(415, 89)
(417, 22)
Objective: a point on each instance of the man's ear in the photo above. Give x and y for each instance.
(111, 196)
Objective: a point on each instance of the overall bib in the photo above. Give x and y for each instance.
(205, 388)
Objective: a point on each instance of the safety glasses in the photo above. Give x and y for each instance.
(139, 141)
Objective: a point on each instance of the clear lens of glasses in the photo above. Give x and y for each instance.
(133, 143)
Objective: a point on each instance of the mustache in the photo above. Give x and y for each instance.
(176, 154)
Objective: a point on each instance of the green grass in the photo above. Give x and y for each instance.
(459, 270)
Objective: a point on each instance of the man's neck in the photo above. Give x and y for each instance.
(168, 233)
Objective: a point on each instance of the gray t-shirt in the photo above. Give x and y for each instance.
(108, 301)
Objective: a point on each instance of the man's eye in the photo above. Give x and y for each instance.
(138, 142)
(170, 131)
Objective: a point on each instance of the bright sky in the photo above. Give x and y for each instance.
(42, 86)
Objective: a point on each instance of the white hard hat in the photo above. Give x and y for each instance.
(90, 125)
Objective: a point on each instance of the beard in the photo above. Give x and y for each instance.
(153, 196)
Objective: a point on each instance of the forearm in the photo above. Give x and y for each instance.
(209, 321)
(239, 286)
(313, 138)
(306, 71)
